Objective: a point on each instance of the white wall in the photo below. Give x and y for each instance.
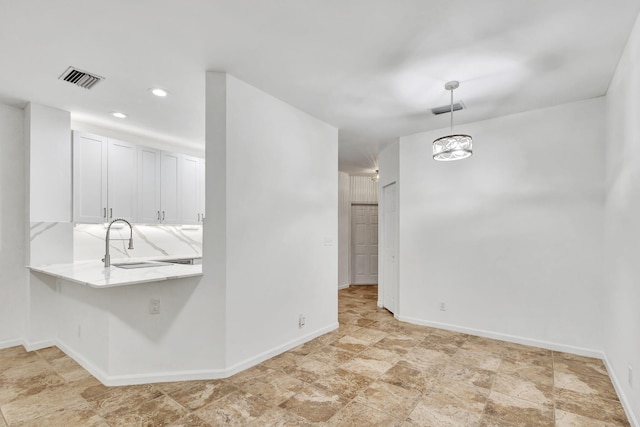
(363, 190)
(48, 133)
(12, 226)
(510, 239)
(622, 227)
(281, 198)
(344, 230)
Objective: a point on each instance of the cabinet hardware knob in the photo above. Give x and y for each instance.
(163, 215)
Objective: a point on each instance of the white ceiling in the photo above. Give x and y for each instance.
(372, 68)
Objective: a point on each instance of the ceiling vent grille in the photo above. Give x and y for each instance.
(447, 108)
(80, 78)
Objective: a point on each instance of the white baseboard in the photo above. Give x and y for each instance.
(623, 398)
(506, 337)
(202, 374)
(11, 343)
(344, 286)
(240, 366)
(38, 345)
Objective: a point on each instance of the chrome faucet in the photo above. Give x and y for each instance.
(107, 257)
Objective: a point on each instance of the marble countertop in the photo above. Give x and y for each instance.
(96, 275)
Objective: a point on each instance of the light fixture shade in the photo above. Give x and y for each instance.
(375, 177)
(452, 147)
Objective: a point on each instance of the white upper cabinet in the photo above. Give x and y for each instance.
(122, 188)
(189, 198)
(149, 184)
(170, 188)
(104, 179)
(114, 179)
(89, 178)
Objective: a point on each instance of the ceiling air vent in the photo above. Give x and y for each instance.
(447, 108)
(80, 78)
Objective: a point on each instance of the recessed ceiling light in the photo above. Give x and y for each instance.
(119, 115)
(159, 92)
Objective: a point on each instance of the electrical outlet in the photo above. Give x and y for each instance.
(443, 306)
(154, 306)
(630, 376)
(301, 321)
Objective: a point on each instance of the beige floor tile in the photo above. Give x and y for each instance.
(315, 403)
(404, 374)
(37, 405)
(389, 398)
(276, 389)
(539, 374)
(468, 374)
(196, 394)
(477, 359)
(579, 364)
(157, 412)
(518, 412)
(190, 420)
(371, 368)
(522, 388)
(460, 394)
(344, 383)
(590, 406)
(400, 344)
(278, 417)
(379, 353)
(350, 343)
(50, 353)
(330, 355)
(598, 385)
(356, 414)
(81, 416)
(426, 358)
(3, 423)
(235, 409)
(436, 413)
(69, 369)
(122, 399)
(567, 419)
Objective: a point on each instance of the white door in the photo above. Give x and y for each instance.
(89, 178)
(122, 180)
(390, 247)
(170, 188)
(364, 244)
(148, 185)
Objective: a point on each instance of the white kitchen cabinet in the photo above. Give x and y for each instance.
(189, 186)
(122, 189)
(149, 184)
(104, 179)
(89, 178)
(170, 188)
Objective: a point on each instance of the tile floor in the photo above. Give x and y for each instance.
(372, 371)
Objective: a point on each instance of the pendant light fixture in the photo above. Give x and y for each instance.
(375, 177)
(452, 147)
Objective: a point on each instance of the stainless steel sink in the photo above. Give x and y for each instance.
(142, 264)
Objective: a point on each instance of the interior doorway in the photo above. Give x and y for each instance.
(364, 244)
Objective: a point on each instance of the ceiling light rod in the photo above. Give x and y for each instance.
(454, 146)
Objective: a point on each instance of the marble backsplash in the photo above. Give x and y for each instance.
(148, 241)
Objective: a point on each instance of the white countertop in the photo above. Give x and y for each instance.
(96, 275)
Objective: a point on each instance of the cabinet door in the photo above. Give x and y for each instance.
(149, 185)
(170, 188)
(122, 180)
(201, 188)
(89, 178)
(189, 190)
